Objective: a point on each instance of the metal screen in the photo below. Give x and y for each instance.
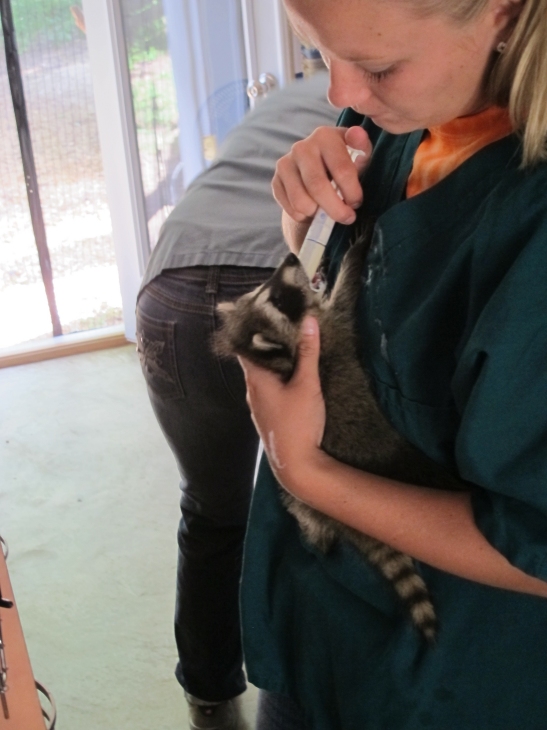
(58, 92)
(155, 108)
(188, 83)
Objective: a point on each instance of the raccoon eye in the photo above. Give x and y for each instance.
(290, 301)
(261, 343)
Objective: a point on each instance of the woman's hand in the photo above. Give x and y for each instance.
(302, 181)
(290, 418)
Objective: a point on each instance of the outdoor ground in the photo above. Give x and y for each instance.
(59, 98)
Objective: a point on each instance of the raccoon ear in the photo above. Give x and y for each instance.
(261, 343)
(225, 307)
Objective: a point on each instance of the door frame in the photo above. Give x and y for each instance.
(118, 140)
(267, 51)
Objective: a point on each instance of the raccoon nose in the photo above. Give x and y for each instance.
(292, 260)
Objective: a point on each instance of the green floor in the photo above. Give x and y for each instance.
(89, 507)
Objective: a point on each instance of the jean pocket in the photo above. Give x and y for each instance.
(156, 348)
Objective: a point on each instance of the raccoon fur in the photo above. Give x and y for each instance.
(264, 327)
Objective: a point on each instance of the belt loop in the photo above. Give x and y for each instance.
(213, 279)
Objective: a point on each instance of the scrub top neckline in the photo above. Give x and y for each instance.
(444, 148)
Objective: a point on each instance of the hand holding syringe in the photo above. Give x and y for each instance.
(303, 181)
(319, 232)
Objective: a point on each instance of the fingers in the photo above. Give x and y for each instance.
(307, 369)
(293, 413)
(263, 391)
(251, 370)
(290, 192)
(302, 180)
(255, 376)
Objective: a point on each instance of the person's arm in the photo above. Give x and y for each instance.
(431, 525)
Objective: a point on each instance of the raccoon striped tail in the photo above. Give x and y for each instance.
(400, 571)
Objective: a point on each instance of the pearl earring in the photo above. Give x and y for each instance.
(500, 48)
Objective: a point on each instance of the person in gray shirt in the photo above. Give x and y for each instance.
(222, 240)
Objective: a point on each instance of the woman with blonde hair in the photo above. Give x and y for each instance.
(448, 99)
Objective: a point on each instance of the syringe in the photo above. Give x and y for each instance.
(319, 232)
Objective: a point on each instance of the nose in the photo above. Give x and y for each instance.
(348, 85)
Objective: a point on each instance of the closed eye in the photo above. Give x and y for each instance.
(377, 76)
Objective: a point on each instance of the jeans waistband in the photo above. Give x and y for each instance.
(213, 276)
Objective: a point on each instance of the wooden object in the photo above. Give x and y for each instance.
(73, 344)
(21, 700)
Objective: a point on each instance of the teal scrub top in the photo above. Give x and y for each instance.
(452, 317)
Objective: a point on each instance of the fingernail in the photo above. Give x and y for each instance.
(309, 326)
(350, 219)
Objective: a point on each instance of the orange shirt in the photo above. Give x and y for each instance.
(444, 148)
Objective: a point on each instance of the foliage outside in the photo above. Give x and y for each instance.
(43, 21)
(51, 22)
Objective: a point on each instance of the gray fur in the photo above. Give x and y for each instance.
(356, 431)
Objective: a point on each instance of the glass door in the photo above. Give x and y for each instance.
(58, 270)
(171, 78)
(188, 87)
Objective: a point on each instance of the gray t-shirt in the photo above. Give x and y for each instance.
(228, 215)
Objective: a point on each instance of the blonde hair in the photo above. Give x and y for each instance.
(517, 78)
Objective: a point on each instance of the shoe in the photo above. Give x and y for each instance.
(215, 715)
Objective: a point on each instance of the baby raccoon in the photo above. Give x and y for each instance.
(264, 326)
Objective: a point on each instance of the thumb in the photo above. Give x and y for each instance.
(308, 349)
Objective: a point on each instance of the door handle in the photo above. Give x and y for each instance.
(259, 88)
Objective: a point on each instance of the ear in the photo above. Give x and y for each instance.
(225, 307)
(260, 343)
(506, 14)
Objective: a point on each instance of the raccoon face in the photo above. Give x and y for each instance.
(288, 290)
(264, 325)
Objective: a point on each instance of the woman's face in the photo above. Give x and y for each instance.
(402, 71)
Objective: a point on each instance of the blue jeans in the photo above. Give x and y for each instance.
(199, 401)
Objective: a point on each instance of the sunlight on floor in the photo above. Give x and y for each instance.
(79, 296)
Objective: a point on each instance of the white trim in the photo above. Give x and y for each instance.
(117, 134)
(249, 36)
(268, 40)
(284, 41)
